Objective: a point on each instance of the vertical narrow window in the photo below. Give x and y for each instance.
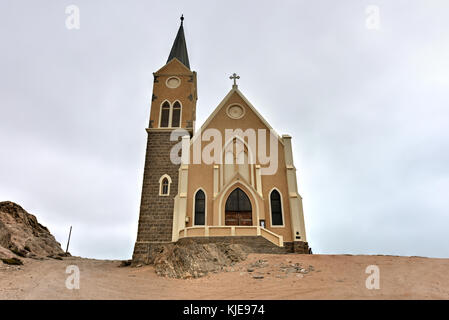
(165, 114)
(276, 208)
(165, 186)
(176, 116)
(200, 208)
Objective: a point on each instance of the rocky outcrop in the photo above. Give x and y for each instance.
(22, 235)
(192, 260)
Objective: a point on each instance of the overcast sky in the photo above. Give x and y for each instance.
(368, 110)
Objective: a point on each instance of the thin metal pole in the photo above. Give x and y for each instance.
(68, 241)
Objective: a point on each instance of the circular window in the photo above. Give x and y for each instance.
(235, 111)
(173, 82)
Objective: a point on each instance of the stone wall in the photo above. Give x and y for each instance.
(297, 247)
(156, 212)
(144, 252)
(257, 244)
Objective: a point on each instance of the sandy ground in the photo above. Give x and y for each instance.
(333, 277)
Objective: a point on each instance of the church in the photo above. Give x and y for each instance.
(232, 180)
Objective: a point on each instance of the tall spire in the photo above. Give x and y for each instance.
(179, 48)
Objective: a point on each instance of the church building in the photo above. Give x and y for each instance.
(233, 179)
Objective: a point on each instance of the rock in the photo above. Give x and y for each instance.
(259, 264)
(190, 258)
(250, 270)
(13, 261)
(125, 263)
(64, 254)
(22, 235)
(56, 257)
(258, 277)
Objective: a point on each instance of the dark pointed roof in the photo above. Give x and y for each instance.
(179, 49)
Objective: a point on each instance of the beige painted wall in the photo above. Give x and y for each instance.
(202, 175)
(162, 92)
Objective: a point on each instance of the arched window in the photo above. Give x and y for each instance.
(176, 115)
(200, 208)
(165, 115)
(276, 208)
(235, 160)
(164, 185)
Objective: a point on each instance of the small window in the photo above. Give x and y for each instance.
(200, 208)
(276, 209)
(165, 114)
(164, 185)
(176, 116)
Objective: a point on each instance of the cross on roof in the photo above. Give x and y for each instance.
(234, 77)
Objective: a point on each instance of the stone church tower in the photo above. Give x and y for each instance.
(173, 106)
(244, 192)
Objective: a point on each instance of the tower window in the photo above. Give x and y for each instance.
(176, 116)
(164, 185)
(200, 208)
(165, 115)
(276, 209)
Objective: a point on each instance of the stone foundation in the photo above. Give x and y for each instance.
(144, 251)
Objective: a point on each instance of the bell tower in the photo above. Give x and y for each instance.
(173, 106)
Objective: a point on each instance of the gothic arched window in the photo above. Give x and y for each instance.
(200, 208)
(164, 185)
(165, 114)
(236, 159)
(276, 208)
(176, 115)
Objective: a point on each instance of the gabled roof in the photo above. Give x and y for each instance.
(179, 48)
(224, 102)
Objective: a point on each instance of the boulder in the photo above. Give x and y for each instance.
(193, 260)
(22, 235)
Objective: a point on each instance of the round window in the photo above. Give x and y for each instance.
(173, 82)
(235, 111)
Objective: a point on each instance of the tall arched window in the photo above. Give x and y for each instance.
(276, 209)
(165, 115)
(200, 208)
(176, 115)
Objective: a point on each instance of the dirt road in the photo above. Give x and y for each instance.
(259, 277)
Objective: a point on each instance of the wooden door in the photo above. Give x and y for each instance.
(238, 210)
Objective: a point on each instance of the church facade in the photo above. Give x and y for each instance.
(232, 180)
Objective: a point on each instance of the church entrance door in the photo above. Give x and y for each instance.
(238, 210)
